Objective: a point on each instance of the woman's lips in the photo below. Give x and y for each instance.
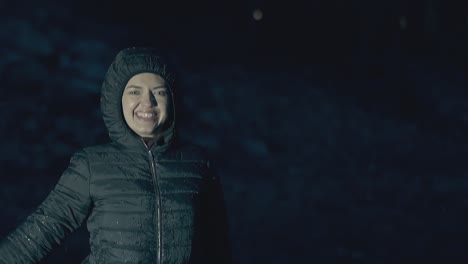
(146, 116)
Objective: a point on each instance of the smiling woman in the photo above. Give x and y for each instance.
(146, 105)
(143, 201)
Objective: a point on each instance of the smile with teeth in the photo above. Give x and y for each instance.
(146, 115)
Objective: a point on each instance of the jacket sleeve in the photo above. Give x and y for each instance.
(216, 232)
(64, 210)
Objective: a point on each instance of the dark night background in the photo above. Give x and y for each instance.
(340, 127)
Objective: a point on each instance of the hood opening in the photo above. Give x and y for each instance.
(127, 63)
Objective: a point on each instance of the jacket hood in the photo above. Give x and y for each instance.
(127, 63)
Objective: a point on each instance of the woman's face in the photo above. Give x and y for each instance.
(145, 104)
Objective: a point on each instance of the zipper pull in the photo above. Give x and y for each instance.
(151, 155)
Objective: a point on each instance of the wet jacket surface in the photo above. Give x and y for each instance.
(158, 204)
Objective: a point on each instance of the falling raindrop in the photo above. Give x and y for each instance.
(257, 14)
(403, 23)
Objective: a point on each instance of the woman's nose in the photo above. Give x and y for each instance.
(149, 100)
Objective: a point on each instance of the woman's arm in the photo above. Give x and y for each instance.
(64, 210)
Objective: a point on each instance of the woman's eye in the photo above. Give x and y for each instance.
(162, 93)
(134, 92)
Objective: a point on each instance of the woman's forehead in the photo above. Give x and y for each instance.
(146, 80)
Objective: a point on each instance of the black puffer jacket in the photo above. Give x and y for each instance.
(162, 204)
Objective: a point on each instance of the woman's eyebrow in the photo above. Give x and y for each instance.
(134, 86)
(139, 87)
(159, 87)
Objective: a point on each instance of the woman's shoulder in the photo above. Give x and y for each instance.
(92, 151)
(108, 147)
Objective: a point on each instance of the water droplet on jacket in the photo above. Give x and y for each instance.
(121, 240)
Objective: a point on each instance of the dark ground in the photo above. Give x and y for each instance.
(340, 127)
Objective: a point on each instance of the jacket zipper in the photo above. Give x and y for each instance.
(158, 205)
